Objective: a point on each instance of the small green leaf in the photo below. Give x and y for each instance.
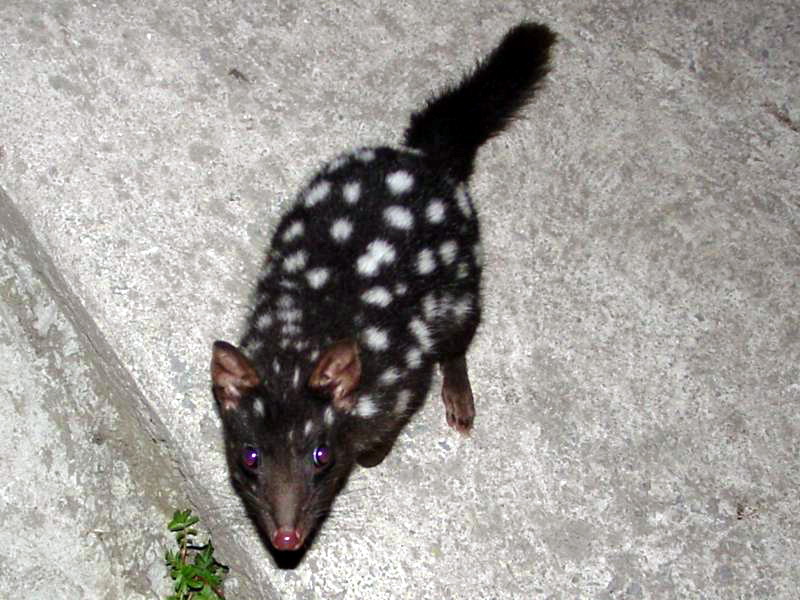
(205, 557)
(182, 520)
(207, 594)
(193, 568)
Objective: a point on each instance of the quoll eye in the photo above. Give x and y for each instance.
(322, 456)
(250, 457)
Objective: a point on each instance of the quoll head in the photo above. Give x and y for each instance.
(288, 455)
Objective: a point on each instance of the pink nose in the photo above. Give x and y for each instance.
(286, 539)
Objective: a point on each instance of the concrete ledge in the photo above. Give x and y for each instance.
(89, 476)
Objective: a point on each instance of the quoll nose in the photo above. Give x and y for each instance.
(286, 539)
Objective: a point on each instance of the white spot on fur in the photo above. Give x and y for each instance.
(365, 155)
(313, 356)
(337, 163)
(400, 289)
(462, 271)
(258, 407)
(341, 230)
(462, 198)
(366, 407)
(463, 307)
(296, 261)
(389, 376)
(448, 251)
(294, 231)
(352, 192)
(288, 284)
(414, 358)
(329, 416)
(285, 302)
(289, 330)
(378, 296)
(290, 315)
(308, 427)
(296, 378)
(375, 338)
(252, 346)
(290, 436)
(477, 253)
(399, 182)
(276, 366)
(378, 253)
(317, 277)
(430, 307)
(403, 399)
(399, 217)
(435, 211)
(445, 304)
(426, 263)
(264, 321)
(422, 333)
(317, 193)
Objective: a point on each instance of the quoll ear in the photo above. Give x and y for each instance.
(337, 373)
(232, 375)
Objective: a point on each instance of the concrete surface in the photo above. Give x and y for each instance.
(638, 371)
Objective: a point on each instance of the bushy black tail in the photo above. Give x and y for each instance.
(455, 123)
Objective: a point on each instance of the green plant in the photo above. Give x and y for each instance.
(197, 574)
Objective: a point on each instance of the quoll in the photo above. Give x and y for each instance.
(372, 279)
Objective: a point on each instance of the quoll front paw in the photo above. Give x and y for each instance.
(459, 404)
(459, 409)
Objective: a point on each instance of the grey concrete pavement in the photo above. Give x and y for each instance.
(636, 374)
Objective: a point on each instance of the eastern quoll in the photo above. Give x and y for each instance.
(373, 277)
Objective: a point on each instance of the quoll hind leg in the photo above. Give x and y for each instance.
(375, 455)
(459, 405)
